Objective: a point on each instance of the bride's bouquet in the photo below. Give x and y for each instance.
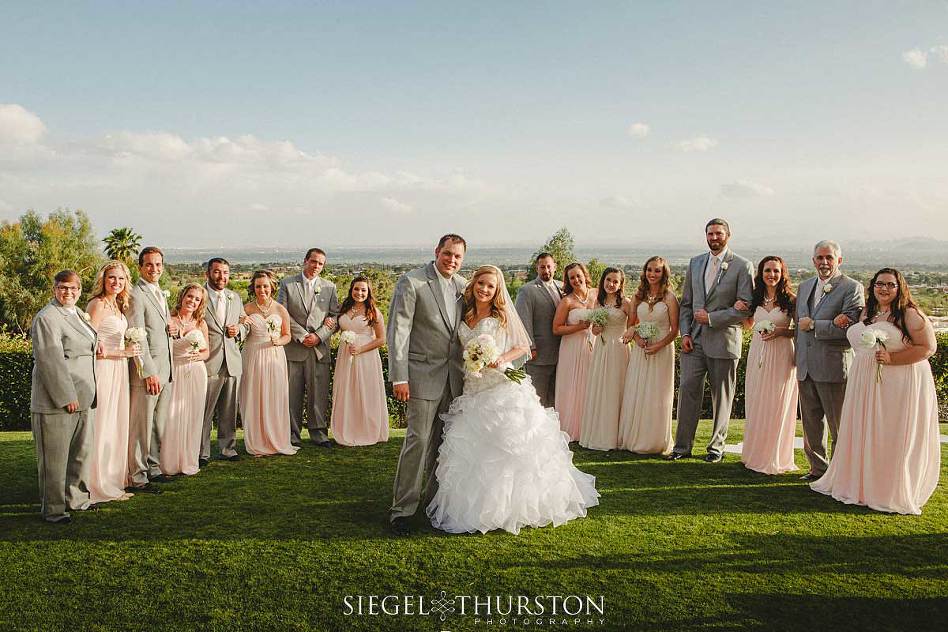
(136, 336)
(872, 339)
(599, 317)
(481, 352)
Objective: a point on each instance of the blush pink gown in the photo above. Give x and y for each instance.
(887, 455)
(645, 423)
(264, 394)
(603, 402)
(110, 435)
(181, 441)
(359, 413)
(572, 369)
(770, 391)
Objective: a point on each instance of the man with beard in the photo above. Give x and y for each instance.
(536, 305)
(711, 338)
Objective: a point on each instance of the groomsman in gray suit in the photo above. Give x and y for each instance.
(711, 338)
(62, 400)
(150, 396)
(313, 307)
(224, 309)
(536, 305)
(826, 305)
(424, 365)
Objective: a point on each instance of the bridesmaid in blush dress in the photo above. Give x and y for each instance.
(645, 421)
(887, 456)
(576, 344)
(263, 396)
(109, 455)
(359, 413)
(181, 443)
(603, 402)
(770, 385)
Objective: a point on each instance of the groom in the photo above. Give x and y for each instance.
(424, 364)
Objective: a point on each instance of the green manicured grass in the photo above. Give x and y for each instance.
(277, 543)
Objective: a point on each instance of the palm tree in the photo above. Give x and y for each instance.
(122, 244)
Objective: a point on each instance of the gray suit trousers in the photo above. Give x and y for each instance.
(819, 400)
(544, 381)
(222, 401)
(722, 373)
(415, 482)
(146, 427)
(309, 383)
(63, 445)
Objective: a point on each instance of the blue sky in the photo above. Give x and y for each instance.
(372, 122)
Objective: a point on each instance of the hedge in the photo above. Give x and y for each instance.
(16, 365)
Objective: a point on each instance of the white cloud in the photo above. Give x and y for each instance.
(916, 58)
(618, 202)
(698, 143)
(19, 126)
(393, 205)
(638, 130)
(745, 189)
(940, 52)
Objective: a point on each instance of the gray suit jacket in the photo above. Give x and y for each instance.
(145, 311)
(735, 280)
(824, 353)
(536, 309)
(423, 348)
(223, 351)
(63, 361)
(305, 319)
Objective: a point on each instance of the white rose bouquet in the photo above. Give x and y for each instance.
(136, 336)
(763, 327)
(871, 340)
(196, 339)
(482, 352)
(348, 337)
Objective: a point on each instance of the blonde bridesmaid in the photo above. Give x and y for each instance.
(603, 401)
(770, 385)
(359, 412)
(181, 442)
(263, 395)
(645, 421)
(109, 455)
(572, 366)
(887, 456)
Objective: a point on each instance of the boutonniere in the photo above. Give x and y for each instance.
(724, 265)
(167, 293)
(827, 288)
(231, 295)
(84, 316)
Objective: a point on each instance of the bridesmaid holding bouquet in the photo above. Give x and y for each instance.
(571, 323)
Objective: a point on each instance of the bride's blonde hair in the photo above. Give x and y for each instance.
(497, 304)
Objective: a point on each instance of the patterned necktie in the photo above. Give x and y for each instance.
(711, 274)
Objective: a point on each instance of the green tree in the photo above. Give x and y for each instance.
(560, 245)
(122, 244)
(32, 251)
(596, 268)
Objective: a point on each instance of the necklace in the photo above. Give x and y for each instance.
(651, 300)
(265, 310)
(584, 300)
(111, 304)
(770, 301)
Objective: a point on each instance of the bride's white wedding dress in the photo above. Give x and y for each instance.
(504, 462)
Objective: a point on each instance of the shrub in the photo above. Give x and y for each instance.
(16, 369)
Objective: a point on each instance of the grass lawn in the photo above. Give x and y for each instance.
(278, 543)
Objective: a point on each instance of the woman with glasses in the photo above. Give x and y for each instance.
(887, 455)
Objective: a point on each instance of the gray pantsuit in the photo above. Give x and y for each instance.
(717, 345)
(63, 373)
(424, 351)
(823, 357)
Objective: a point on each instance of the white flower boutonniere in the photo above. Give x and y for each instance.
(84, 316)
(724, 265)
(827, 288)
(167, 293)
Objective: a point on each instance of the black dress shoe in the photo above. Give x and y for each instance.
(677, 456)
(400, 527)
(810, 476)
(147, 488)
(713, 458)
(92, 507)
(160, 479)
(63, 520)
(203, 462)
(324, 444)
(233, 457)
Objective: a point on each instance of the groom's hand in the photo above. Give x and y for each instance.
(401, 392)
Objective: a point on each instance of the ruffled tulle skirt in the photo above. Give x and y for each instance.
(505, 464)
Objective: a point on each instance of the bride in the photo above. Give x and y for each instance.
(504, 463)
